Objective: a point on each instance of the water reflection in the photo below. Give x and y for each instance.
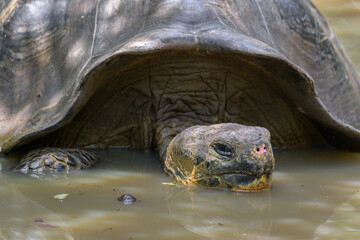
(18, 215)
(344, 223)
(222, 215)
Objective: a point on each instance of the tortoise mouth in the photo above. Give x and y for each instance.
(244, 182)
(250, 167)
(242, 173)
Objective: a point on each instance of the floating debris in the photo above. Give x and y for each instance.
(169, 183)
(41, 222)
(61, 196)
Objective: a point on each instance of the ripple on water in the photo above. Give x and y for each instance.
(349, 183)
(318, 205)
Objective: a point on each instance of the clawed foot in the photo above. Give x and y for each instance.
(54, 160)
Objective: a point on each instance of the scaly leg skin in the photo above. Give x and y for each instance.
(52, 160)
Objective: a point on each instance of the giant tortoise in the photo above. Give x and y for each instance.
(205, 82)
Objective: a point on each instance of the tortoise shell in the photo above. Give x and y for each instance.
(111, 73)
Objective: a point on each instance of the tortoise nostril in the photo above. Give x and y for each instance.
(260, 150)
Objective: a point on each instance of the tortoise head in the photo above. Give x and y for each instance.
(227, 155)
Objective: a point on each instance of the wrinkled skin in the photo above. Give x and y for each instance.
(231, 156)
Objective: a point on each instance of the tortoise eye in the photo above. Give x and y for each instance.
(223, 149)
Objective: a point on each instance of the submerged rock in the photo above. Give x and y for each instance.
(127, 199)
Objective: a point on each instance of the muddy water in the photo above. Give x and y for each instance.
(309, 188)
(315, 194)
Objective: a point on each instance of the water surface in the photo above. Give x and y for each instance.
(308, 188)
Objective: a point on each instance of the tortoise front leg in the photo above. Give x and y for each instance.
(52, 160)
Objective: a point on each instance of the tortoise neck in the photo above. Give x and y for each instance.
(165, 132)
